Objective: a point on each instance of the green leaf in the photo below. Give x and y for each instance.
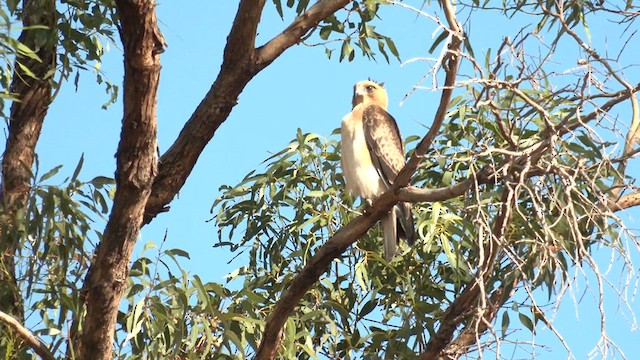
(302, 6)
(24, 50)
(443, 35)
(367, 308)
(51, 173)
(347, 50)
(101, 181)
(289, 340)
(12, 5)
(325, 32)
(526, 321)
(278, 4)
(26, 70)
(148, 246)
(392, 47)
(76, 172)
(505, 324)
(134, 323)
(177, 252)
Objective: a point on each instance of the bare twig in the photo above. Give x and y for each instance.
(633, 135)
(451, 63)
(466, 302)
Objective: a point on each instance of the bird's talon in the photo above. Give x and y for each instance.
(368, 205)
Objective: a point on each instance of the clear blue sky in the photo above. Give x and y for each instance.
(302, 89)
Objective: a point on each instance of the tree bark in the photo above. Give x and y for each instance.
(236, 71)
(142, 41)
(136, 169)
(25, 124)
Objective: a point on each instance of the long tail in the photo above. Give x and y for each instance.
(399, 215)
(405, 219)
(390, 230)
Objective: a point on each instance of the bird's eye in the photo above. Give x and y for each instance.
(370, 87)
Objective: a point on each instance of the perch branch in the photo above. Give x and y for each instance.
(27, 336)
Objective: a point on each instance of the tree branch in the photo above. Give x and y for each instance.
(240, 64)
(470, 334)
(316, 266)
(25, 125)
(236, 71)
(624, 202)
(346, 236)
(466, 302)
(27, 336)
(136, 169)
(451, 62)
(414, 194)
(298, 28)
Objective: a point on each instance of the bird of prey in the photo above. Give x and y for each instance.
(372, 157)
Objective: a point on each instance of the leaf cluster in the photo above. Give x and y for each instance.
(56, 236)
(352, 28)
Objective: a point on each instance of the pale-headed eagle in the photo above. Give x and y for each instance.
(372, 157)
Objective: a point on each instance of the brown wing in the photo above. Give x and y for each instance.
(387, 155)
(384, 142)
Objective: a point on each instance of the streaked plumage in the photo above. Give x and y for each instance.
(372, 157)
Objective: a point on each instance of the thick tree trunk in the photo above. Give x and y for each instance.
(136, 170)
(26, 118)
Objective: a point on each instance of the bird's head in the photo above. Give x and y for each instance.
(369, 92)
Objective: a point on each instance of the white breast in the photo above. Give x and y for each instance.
(361, 177)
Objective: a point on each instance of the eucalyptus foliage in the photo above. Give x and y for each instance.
(350, 28)
(57, 236)
(83, 30)
(544, 148)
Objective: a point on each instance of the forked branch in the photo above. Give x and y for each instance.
(242, 61)
(346, 236)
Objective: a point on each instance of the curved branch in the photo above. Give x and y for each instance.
(240, 64)
(27, 336)
(235, 72)
(451, 62)
(354, 230)
(296, 31)
(316, 266)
